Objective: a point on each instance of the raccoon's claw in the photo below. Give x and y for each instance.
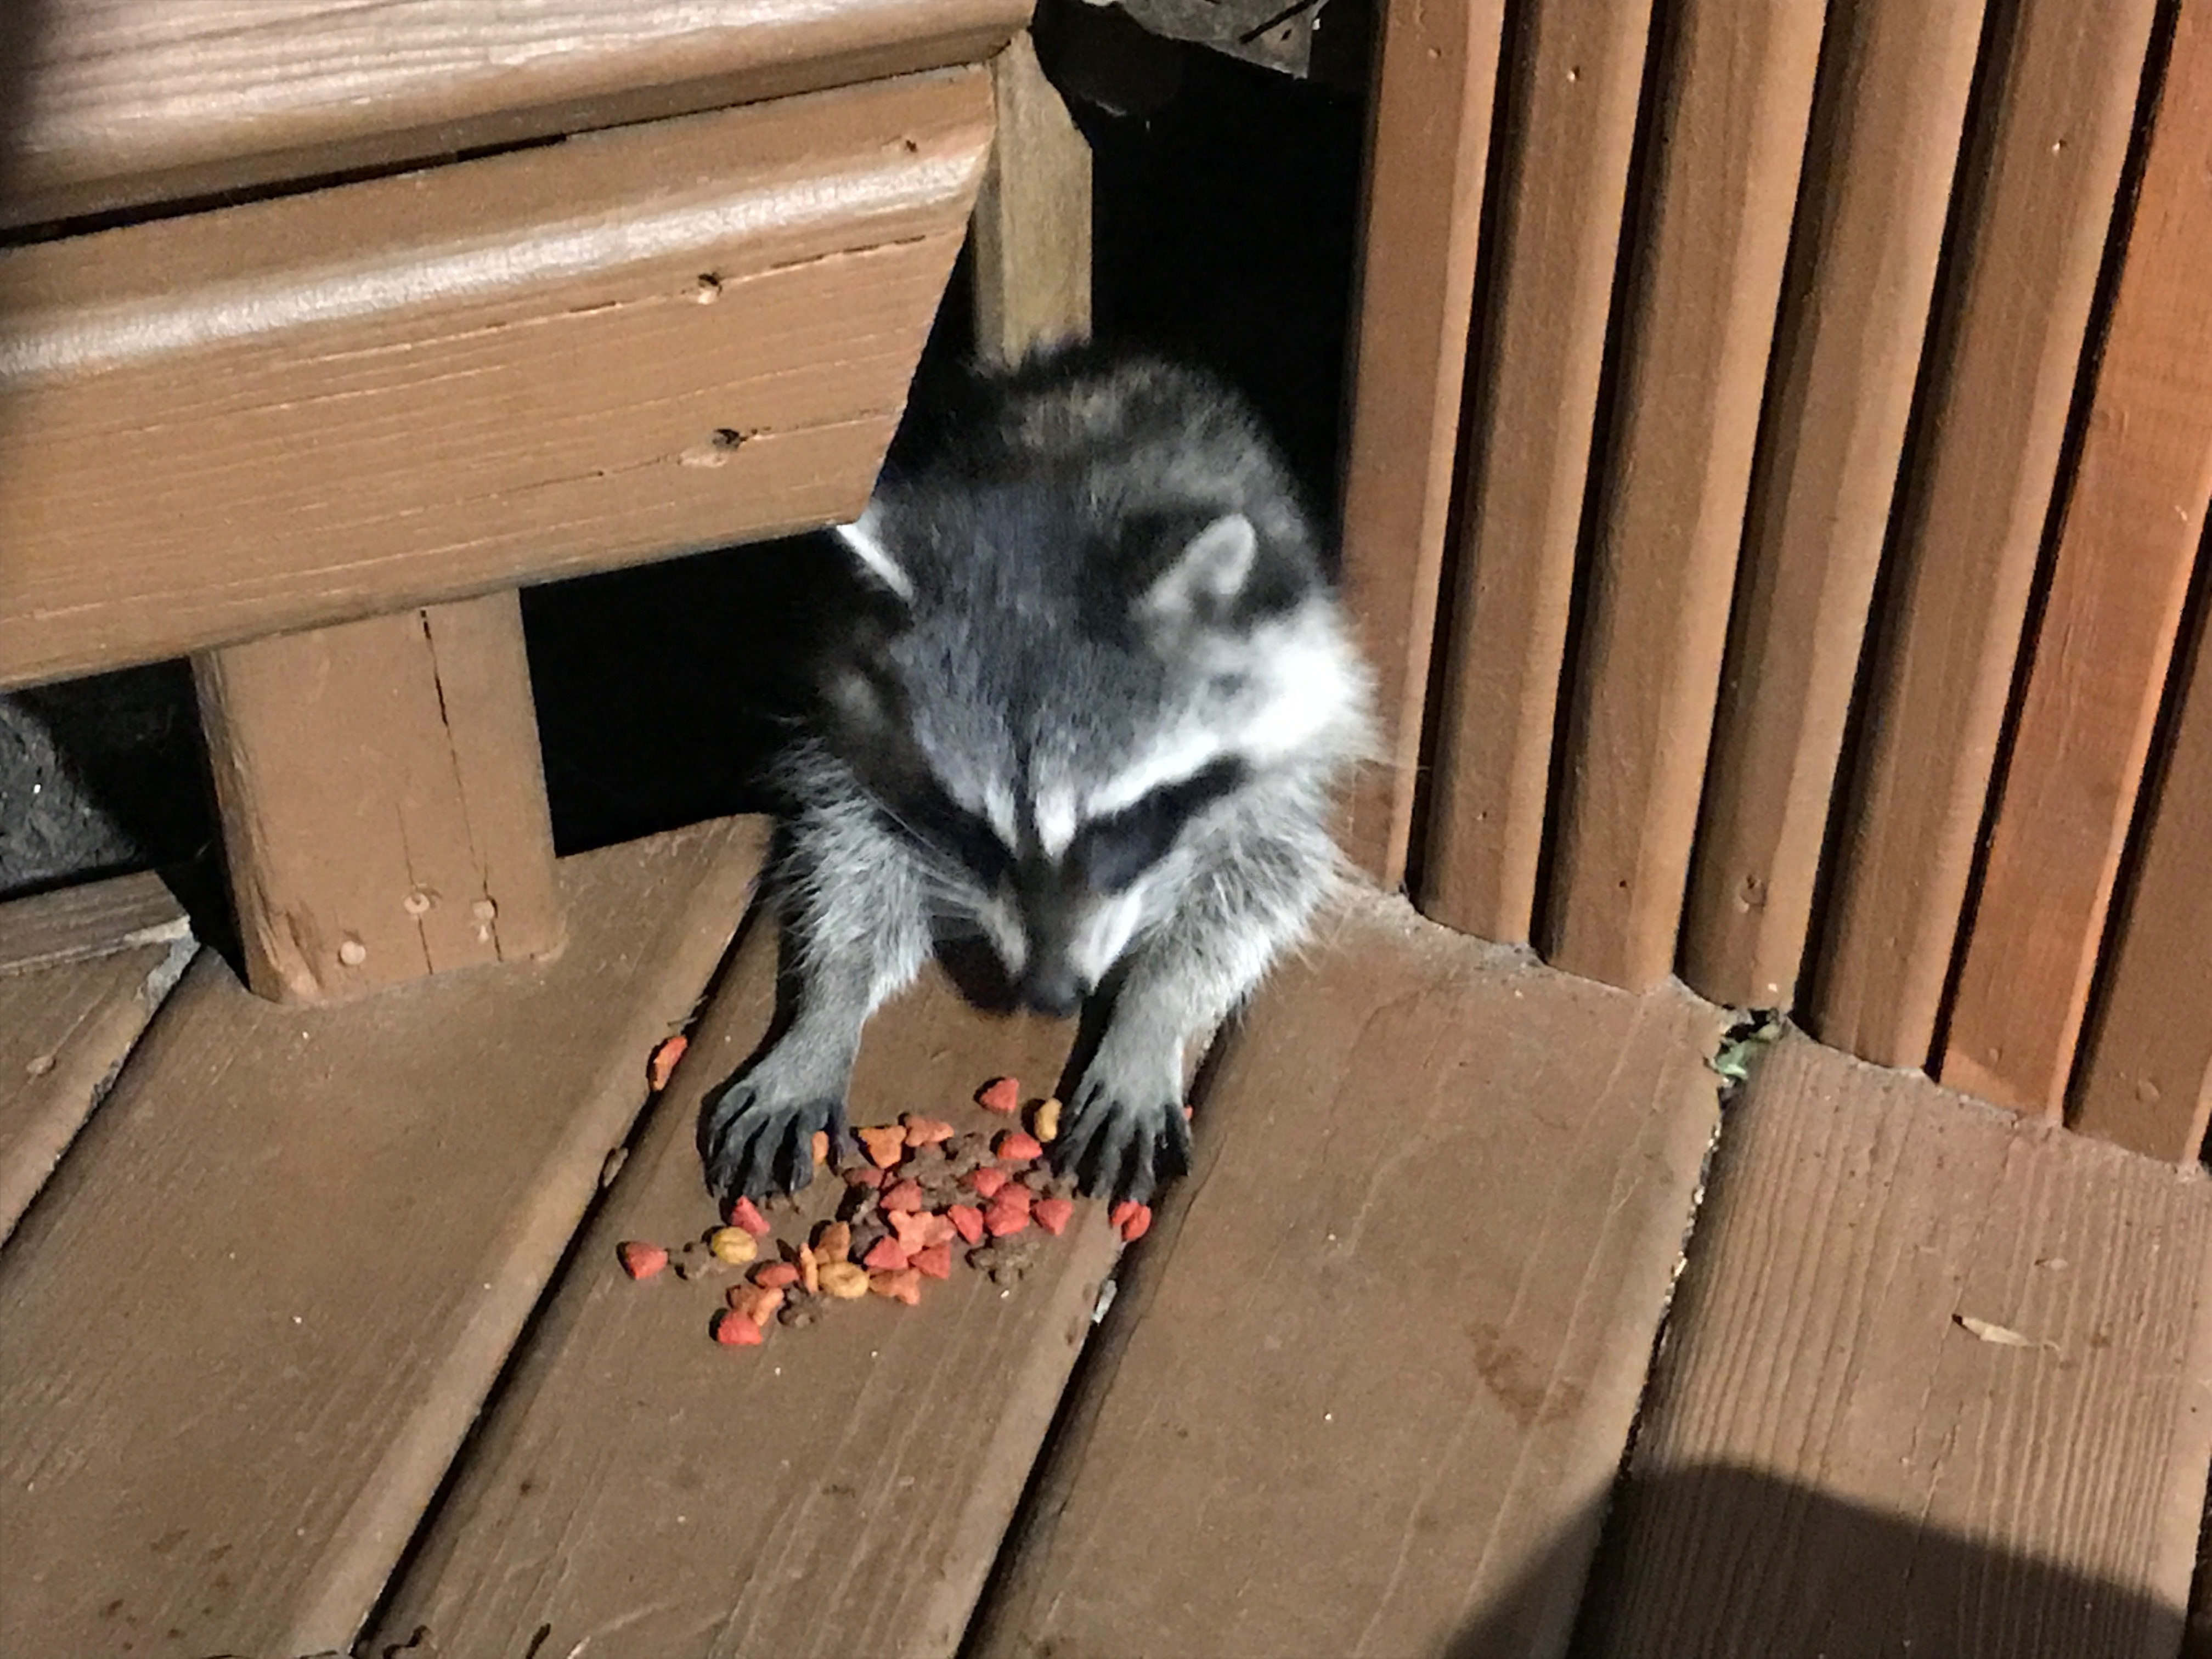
(1117, 1150)
(753, 1147)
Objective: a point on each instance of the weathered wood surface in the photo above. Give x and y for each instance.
(1903, 1301)
(384, 812)
(1887, 115)
(1426, 152)
(566, 358)
(1032, 230)
(839, 1491)
(2133, 523)
(254, 1312)
(1736, 89)
(92, 919)
(1389, 1337)
(137, 101)
(1568, 97)
(2028, 232)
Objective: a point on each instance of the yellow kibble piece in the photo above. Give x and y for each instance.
(733, 1245)
(846, 1280)
(1044, 1122)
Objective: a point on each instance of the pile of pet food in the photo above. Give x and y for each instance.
(919, 1190)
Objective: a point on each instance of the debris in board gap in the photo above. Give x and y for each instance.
(2002, 1335)
(925, 1190)
(662, 1065)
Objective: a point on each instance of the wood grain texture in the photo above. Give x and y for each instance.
(1390, 1340)
(1032, 229)
(419, 388)
(1857, 1219)
(383, 808)
(1736, 90)
(139, 100)
(1559, 177)
(254, 1312)
(2041, 169)
(65, 1029)
(92, 919)
(839, 1492)
(1889, 114)
(2111, 614)
(2146, 1074)
(1426, 151)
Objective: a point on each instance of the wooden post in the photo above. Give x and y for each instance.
(1032, 225)
(384, 812)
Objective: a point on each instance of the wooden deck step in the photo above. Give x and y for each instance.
(1384, 1350)
(840, 1491)
(82, 971)
(1939, 1381)
(259, 1303)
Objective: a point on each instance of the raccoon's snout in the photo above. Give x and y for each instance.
(1051, 988)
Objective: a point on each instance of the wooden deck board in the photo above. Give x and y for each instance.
(840, 1491)
(92, 919)
(2046, 1467)
(1393, 1330)
(255, 1311)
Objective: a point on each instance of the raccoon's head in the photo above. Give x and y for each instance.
(1070, 714)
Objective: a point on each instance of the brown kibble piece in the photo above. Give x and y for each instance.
(885, 1143)
(864, 1177)
(846, 1281)
(798, 1314)
(900, 1284)
(1000, 1095)
(833, 1242)
(757, 1302)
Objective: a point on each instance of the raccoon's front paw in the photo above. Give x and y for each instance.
(754, 1141)
(1119, 1143)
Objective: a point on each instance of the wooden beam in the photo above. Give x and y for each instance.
(2106, 636)
(130, 101)
(2145, 1078)
(1032, 230)
(387, 394)
(1425, 156)
(1936, 1380)
(2041, 173)
(383, 808)
(1887, 116)
(1734, 91)
(1567, 103)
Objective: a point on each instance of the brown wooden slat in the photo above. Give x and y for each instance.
(139, 100)
(2046, 1467)
(1887, 116)
(1736, 90)
(838, 1491)
(92, 919)
(1032, 217)
(384, 812)
(252, 1315)
(564, 359)
(2106, 636)
(2145, 1077)
(1393, 1328)
(1425, 155)
(2027, 235)
(1568, 100)
(63, 1029)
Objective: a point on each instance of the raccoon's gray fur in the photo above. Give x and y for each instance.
(1092, 717)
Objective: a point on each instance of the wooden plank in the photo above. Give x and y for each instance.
(383, 812)
(2146, 1074)
(65, 1029)
(1734, 90)
(1887, 118)
(1394, 1331)
(255, 1310)
(2110, 615)
(2041, 173)
(563, 359)
(1032, 229)
(137, 100)
(841, 1491)
(1568, 104)
(92, 919)
(1996, 1334)
(1425, 155)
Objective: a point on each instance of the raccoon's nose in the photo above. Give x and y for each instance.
(1057, 991)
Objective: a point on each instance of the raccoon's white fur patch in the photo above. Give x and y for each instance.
(864, 535)
(1056, 820)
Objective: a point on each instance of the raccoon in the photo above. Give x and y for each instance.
(1088, 718)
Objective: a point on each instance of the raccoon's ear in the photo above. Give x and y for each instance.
(1205, 577)
(863, 537)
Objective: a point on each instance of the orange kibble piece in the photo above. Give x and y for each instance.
(1004, 1218)
(1015, 1194)
(833, 1242)
(925, 1131)
(935, 1262)
(900, 1284)
(776, 1275)
(967, 1221)
(902, 1195)
(817, 1145)
(885, 1256)
(1136, 1223)
(757, 1302)
(1002, 1094)
(1052, 1214)
(846, 1280)
(742, 1214)
(734, 1330)
(1122, 1212)
(809, 1270)
(1017, 1146)
(641, 1259)
(885, 1144)
(986, 1182)
(662, 1065)
(907, 1227)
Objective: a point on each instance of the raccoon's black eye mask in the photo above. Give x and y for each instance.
(1112, 851)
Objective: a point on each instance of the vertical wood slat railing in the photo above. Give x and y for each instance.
(1902, 405)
